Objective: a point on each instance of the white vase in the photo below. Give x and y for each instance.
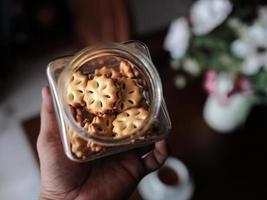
(226, 117)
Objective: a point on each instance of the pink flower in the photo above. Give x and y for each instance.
(225, 86)
(244, 85)
(241, 85)
(210, 81)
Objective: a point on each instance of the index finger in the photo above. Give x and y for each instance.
(156, 158)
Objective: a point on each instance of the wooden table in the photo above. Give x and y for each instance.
(223, 166)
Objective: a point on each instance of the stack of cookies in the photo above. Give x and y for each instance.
(108, 102)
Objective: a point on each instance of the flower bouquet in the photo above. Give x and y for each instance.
(218, 40)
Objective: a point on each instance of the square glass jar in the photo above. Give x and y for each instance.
(156, 126)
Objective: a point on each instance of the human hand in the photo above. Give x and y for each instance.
(113, 177)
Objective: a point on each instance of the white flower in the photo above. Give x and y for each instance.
(251, 65)
(257, 33)
(252, 47)
(191, 67)
(206, 15)
(240, 48)
(177, 39)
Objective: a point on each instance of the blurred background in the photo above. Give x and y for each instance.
(214, 89)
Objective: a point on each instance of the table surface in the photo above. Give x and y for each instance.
(223, 166)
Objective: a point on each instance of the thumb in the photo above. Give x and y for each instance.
(49, 132)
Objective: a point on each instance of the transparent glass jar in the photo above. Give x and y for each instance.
(157, 124)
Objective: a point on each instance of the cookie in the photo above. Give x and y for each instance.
(80, 147)
(131, 94)
(75, 89)
(70, 133)
(100, 95)
(95, 147)
(108, 72)
(101, 125)
(81, 115)
(129, 121)
(128, 70)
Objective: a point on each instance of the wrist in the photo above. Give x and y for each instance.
(50, 196)
(44, 197)
(53, 195)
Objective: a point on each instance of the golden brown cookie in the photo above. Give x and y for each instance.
(81, 115)
(70, 133)
(80, 147)
(95, 147)
(131, 94)
(129, 121)
(101, 125)
(108, 72)
(100, 95)
(128, 70)
(75, 89)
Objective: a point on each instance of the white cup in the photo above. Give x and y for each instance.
(152, 188)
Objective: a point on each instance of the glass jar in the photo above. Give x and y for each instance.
(157, 124)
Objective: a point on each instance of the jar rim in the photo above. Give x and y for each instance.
(118, 49)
